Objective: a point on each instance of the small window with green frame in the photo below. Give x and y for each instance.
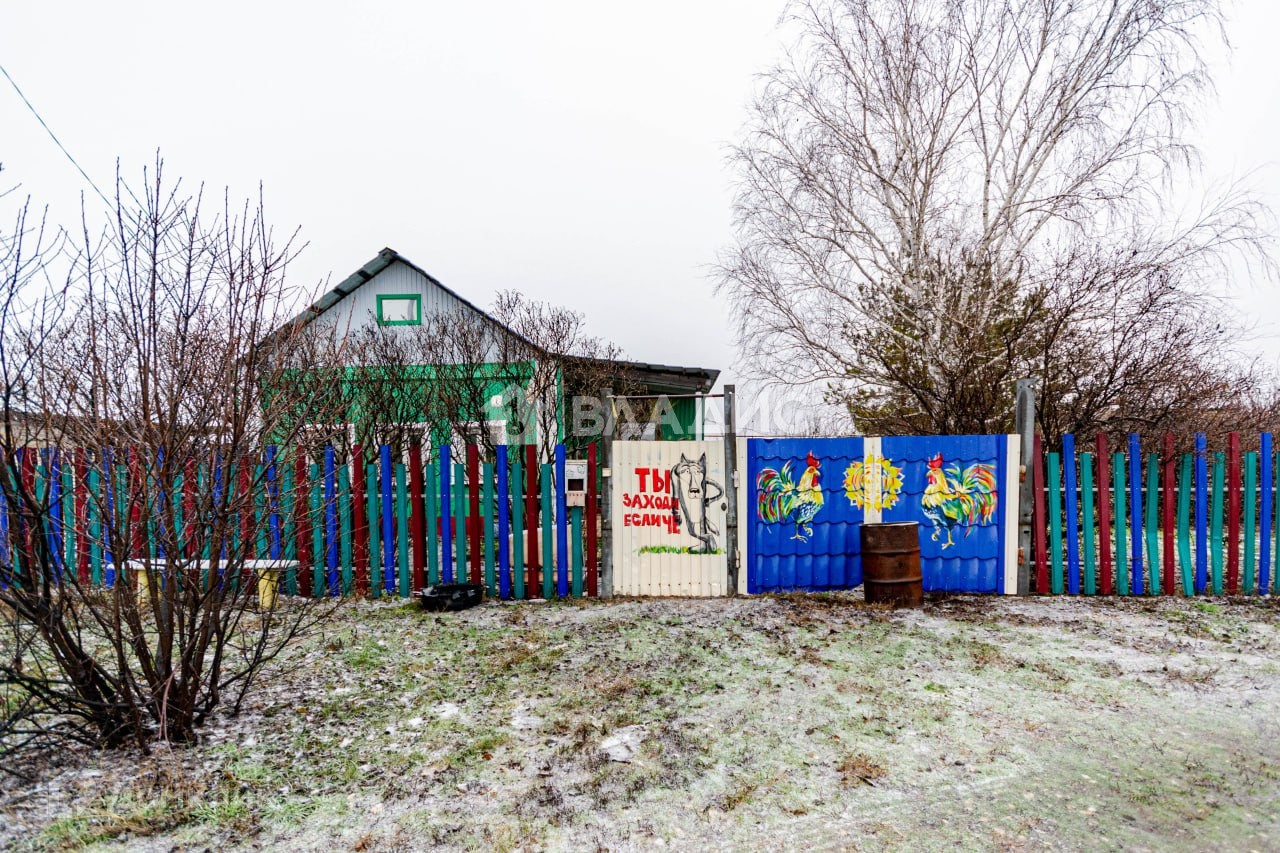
(399, 309)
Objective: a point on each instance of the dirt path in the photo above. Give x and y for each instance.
(762, 723)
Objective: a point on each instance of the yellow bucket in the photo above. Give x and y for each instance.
(268, 583)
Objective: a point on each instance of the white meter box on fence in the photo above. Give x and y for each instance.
(669, 506)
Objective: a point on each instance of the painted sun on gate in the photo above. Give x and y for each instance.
(873, 483)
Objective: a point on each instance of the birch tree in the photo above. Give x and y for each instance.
(936, 198)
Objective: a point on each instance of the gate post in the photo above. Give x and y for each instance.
(1025, 420)
(606, 494)
(731, 489)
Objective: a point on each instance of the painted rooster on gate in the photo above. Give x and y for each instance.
(782, 500)
(954, 499)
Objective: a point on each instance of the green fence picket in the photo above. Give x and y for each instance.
(1250, 521)
(1215, 525)
(1121, 523)
(402, 528)
(1184, 526)
(575, 520)
(1152, 535)
(289, 526)
(343, 477)
(373, 521)
(318, 570)
(548, 534)
(516, 485)
(487, 519)
(68, 507)
(460, 508)
(93, 521)
(261, 546)
(430, 489)
(1054, 465)
(1087, 515)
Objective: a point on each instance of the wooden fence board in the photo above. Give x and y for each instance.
(82, 519)
(1104, 516)
(1233, 513)
(562, 528)
(319, 572)
(593, 497)
(1135, 514)
(435, 526)
(1215, 529)
(1054, 498)
(1250, 521)
(546, 527)
(304, 514)
(369, 472)
(486, 517)
(1122, 545)
(402, 530)
(1087, 514)
(94, 515)
(345, 521)
(259, 516)
(575, 521)
(386, 480)
(1202, 503)
(1072, 510)
(446, 515)
(331, 521)
(1265, 511)
(1152, 533)
(360, 520)
(460, 543)
(473, 511)
(418, 524)
(532, 492)
(1184, 525)
(1037, 486)
(502, 489)
(1167, 513)
(517, 526)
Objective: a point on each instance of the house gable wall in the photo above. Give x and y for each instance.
(358, 309)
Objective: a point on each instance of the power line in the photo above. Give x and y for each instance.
(61, 147)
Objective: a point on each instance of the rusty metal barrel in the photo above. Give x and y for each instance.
(891, 564)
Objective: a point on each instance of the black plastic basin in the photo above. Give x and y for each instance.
(452, 596)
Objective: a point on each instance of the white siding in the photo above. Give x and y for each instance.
(358, 309)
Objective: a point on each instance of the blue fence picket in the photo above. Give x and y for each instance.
(1202, 513)
(562, 528)
(1264, 526)
(446, 515)
(504, 524)
(1135, 513)
(331, 519)
(388, 521)
(1073, 516)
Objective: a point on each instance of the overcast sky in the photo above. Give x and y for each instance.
(572, 150)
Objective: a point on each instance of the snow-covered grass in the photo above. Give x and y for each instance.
(759, 723)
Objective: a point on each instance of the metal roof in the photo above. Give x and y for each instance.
(351, 283)
(703, 377)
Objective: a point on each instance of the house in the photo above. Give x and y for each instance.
(418, 354)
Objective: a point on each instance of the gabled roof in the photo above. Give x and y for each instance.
(351, 283)
(654, 375)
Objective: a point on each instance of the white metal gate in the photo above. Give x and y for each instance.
(669, 506)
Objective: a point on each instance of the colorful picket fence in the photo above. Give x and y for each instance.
(373, 524)
(1132, 523)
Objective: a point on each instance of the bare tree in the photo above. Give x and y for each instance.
(937, 198)
(138, 399)
(465, 374)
